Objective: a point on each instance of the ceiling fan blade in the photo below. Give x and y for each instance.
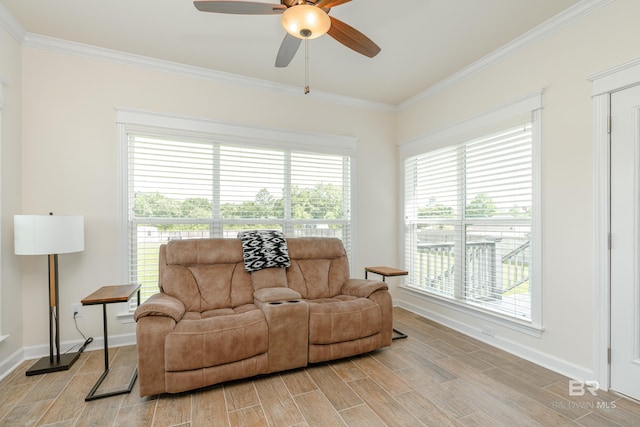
(239, 7)
(288, 50)
(352, 38)
(327, 4)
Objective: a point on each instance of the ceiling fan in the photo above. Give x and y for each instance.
(302, 19)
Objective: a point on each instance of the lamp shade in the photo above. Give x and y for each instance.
(48, 234)
(306, 21)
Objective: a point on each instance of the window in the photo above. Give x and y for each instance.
(469, 208)
(182, 185)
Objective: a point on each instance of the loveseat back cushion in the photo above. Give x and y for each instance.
(204, 251)
(272, 277)
(319, 266)
(205, 274)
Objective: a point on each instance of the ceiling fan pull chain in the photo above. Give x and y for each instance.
(306, 66)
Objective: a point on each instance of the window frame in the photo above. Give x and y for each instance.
(457, 134)
(2, 337)
(229, 134)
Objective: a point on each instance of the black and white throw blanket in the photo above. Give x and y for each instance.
(264, 249)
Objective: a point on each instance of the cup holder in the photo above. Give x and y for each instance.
(293, 301)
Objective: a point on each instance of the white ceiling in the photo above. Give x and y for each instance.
(422, 41)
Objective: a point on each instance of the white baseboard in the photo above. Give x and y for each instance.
(35, 352)
(532, 355)
(11, 363)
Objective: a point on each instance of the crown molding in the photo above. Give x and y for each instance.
(18, 32)
(102, 54)
(542, 31)
(11, 24)
(573, 14)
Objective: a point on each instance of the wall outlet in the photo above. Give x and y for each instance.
(76, 308)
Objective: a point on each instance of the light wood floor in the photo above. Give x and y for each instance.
(435, 377)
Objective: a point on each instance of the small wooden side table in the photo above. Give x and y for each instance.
(387, 272)
(110, 295)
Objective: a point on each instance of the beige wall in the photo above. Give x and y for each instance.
(11, 308)
(70, 152)
(70, 166)
(561, 65)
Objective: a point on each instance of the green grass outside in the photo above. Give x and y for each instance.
(148, 269)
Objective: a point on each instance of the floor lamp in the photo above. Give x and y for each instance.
(50, 235)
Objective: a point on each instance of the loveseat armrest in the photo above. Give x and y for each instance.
(275, 294)
(160, 304)
(362, 287)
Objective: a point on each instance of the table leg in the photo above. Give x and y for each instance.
(399, 334)
(106, 337)
(92, 394)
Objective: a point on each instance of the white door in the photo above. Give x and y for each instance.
(625, 241)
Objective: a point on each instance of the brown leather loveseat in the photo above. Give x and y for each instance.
(213, 321)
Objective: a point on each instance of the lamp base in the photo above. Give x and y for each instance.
(44, 365)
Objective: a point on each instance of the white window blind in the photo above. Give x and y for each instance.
(468, 221)
(185, 187)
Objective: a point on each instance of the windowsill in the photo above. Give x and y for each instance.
(518, 326)
(3, 337)
(125, 317)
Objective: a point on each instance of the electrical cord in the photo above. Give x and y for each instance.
(87, 341)
(75, 320)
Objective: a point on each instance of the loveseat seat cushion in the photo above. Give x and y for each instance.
(216, 337)
(342, 318)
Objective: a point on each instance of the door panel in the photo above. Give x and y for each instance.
(625, 242)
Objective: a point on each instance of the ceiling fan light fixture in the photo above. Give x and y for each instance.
(305, 21)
